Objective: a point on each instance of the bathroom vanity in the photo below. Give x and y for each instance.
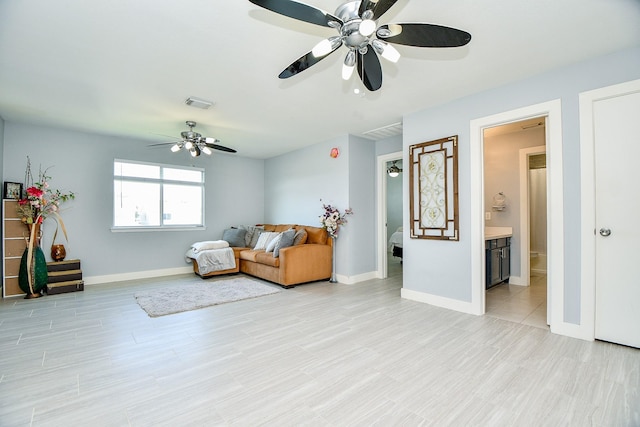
(497, 255)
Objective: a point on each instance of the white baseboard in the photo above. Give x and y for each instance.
(96, 280)
(351, 280)
(438, 301)
(517, 280)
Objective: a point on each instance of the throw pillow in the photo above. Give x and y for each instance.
(256, 235)
(235, 237)
(286, 240)
(300, 238)
(272, 244)
(265, 238)
(253, 232)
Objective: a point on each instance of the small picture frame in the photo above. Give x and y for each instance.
(12, 190)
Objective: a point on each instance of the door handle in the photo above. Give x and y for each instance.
(605, 232)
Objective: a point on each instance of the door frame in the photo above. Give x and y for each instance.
(588, 200)
(552, 110)
(382, 210)
(525, 212)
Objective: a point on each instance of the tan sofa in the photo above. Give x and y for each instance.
(308, 262)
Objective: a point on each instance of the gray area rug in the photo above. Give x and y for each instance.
(192, 296)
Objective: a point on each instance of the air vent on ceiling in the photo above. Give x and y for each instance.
(384, 132)
(198, 103)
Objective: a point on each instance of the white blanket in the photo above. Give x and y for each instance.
(209, 244)
(395, 240)
(212, 260)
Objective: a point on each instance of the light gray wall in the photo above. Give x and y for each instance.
(443, 268)
(361, 252)
(502, 174)
(389, 145)
(83, 163)
(296, 182)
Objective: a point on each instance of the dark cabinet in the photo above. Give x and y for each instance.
(498, 261)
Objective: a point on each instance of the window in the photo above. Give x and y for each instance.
(148, 195)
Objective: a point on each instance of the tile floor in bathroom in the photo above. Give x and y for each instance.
(520, 304)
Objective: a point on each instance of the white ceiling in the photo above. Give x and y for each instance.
(125, 67)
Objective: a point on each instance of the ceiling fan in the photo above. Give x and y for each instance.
(356, 25)
(195, 143)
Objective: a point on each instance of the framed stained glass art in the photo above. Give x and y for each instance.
(433, 189)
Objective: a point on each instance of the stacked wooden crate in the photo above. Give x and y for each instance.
(14, 234)
(64, 276)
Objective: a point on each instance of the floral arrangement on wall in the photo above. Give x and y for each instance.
(332, 219)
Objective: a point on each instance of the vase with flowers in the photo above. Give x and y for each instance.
(39, 202)
(331, 221)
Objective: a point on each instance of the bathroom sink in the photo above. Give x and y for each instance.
(491, 233)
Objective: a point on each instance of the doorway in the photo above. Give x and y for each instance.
(552, 110)
(515, 173)
(384, 199)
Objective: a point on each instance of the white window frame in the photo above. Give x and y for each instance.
(161, 181)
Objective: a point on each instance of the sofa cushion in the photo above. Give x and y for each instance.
(286, 240)
(264, 239)
(267, 259)
(300, 237)
(259, 256)
(251, 254)
(235, 236)
(316, 235)
(272, 244)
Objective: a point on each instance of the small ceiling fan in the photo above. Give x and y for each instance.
(195, 143)
(356, 25)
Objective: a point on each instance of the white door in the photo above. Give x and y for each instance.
(617, 175)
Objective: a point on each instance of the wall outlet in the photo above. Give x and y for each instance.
(487, 216)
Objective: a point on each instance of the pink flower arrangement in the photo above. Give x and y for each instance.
(332, 219)
(40, 201)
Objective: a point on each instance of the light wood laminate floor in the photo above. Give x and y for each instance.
(319, 355)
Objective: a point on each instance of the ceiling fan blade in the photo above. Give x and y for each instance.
(379, 7)
(163, 143)
(423, 35)
(300, 11)
(366, 5)
(221, 148)
(370, 70)
(304, 62)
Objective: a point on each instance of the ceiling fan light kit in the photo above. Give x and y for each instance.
(356, 23)
(195, 143)
(349, 65)
(394, 170)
